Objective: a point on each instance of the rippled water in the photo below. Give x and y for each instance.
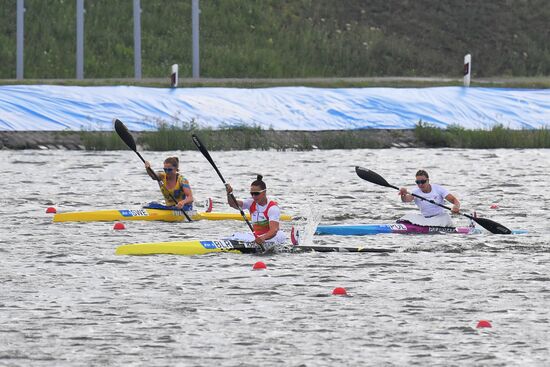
(66, 299)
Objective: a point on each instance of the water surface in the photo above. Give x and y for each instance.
(67, 300)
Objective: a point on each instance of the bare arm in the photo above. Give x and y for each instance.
(456, 204)
(236, 205)
(188, 198)
(405, 196)
(150, 171)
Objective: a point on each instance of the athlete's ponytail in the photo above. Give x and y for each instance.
(259, 182)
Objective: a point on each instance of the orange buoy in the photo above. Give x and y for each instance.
(259, 265)
(339, 291)
(483, 324)
(119, 226)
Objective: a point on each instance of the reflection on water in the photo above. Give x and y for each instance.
(66, 299)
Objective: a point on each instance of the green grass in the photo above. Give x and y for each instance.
(497, 137)
(284, 38)
(93, 140)
(178, 137)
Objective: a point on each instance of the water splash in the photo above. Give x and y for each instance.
(305, 226)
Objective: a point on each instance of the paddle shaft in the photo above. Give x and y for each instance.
(247, 247)
(206, 155)
(125, 135)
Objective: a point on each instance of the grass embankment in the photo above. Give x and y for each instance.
(283, 39)
(497, 137)
(168, 138)
(243, 138)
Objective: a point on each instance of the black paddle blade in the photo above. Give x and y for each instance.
(491, 226)
(371, 176)
(125, 135)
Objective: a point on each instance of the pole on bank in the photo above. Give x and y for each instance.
(467, 69)
(79, 39)
(20, 38)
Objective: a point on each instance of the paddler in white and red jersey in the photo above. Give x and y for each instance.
(264, 213)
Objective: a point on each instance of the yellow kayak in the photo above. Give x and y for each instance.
(191, 247)
(197, 247)
(147, 214)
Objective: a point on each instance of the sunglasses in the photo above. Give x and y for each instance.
(421, 182)
(168, 170)
(256, 193)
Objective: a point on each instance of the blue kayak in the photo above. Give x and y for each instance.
(402, 228)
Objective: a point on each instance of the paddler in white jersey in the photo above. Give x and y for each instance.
(430, 214)
(265, 215)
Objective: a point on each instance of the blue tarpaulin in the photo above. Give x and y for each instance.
(46, 107)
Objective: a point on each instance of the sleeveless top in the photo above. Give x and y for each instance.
(177, 191)
(260, 216)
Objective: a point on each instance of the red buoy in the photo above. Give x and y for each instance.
(119, 226)
(51, 210)
(339, 291)
(259, 265)
(494, 206)
(483, 324)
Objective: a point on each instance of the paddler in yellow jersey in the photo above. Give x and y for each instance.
(264, 214)
(171, 182)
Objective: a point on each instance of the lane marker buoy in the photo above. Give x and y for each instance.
(483, 324)
(259, 265)
(119, 226)
(339, 291)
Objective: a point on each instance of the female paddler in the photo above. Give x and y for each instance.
(172, 184)
(264, 214)
(430, 214)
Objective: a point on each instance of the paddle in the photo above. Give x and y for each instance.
(488, 224)
(206, 155)
(125, 135)
(245, 247)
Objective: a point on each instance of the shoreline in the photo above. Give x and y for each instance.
(281, 139)
(254, 138)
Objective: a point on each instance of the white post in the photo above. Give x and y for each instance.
(19, 38)
(137, 40)
(195, 11)
(79, 39)
(467, 69)
(174, 76)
